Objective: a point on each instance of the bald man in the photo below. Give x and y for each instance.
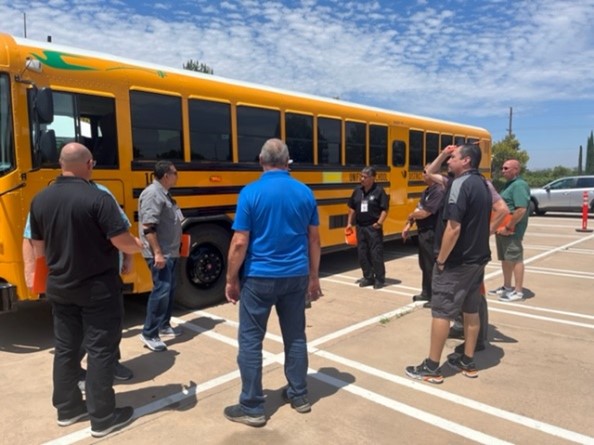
(516, 194)
(78, 228)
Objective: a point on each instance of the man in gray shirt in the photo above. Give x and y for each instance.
(160, 232)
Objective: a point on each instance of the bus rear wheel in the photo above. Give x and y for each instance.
(201, 276)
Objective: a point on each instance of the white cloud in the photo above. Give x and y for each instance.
(428, 57)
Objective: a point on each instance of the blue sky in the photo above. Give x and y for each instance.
(461, 60)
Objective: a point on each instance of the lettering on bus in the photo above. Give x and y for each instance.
(356, 177)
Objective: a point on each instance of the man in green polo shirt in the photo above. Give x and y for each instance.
(510, 251)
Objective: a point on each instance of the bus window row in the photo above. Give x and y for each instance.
(157, 132)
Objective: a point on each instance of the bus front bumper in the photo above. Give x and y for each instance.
(8, 297)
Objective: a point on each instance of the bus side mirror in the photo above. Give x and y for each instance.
(47, 147)
(44, 106)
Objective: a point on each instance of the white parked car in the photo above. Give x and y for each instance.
(563, 195)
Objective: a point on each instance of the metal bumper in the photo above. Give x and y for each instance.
(8, 297)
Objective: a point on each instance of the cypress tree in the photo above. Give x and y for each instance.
(590, 155)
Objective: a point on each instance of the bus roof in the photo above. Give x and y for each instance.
(223, 80)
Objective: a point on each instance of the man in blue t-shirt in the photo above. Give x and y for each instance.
(277, 241)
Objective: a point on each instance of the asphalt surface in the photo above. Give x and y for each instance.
(534, 385)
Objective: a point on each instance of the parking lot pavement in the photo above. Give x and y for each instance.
(534, 382)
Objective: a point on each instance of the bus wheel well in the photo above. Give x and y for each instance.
(201, 276)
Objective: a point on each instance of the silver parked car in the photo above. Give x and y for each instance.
(563, 195)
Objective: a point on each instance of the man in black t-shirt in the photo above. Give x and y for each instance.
(462, 252)
(425, 217)
(368, 207)
(78, 228)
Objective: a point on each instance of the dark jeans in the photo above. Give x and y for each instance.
(426, 258)
(95, 326)
(160, 301)
(258, 296)
(370, 248)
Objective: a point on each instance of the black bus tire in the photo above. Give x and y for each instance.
(201, 276)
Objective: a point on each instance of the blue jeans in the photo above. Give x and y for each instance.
(160, 302)
(258, 296)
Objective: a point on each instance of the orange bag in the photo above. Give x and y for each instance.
(506, 220)
(350, 236)
(40, 275)
(184, 247)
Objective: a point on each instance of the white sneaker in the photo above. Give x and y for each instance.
(512, 296)
(500, 291)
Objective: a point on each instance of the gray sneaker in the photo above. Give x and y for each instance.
(170, 331)
(154, 344)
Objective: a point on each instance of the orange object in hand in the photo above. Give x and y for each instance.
(40, 275)
(184, 247)
(350, 236)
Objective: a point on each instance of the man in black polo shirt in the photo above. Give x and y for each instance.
(368, 207)
(425, 217)
(462, 248)
(78, 229)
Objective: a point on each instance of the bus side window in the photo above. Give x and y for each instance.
(299, 130)
(105, 150)
(378, 144)
(398, 153)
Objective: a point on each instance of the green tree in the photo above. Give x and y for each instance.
(589, 169)
(195, 65)
(507, 148)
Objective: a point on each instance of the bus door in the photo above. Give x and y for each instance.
(400, 203)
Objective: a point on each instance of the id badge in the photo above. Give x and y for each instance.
(364, 206)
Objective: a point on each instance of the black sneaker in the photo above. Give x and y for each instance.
(422, 372)
(121, 417)
(300, 404)
(122, 372)
(456, 333)
(365, 282)
(71, 420)
(378, 284)
(480, 346)
(468, 369)
(421, 297)
(235, 413)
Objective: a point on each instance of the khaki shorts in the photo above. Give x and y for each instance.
(509, 248)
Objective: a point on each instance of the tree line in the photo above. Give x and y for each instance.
(509, 148)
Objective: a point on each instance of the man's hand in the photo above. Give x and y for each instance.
(159, 261)
(314, 291)
(232, 291)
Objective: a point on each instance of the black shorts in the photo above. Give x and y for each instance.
(456, 288)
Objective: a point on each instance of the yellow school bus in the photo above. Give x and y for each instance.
(131, 114)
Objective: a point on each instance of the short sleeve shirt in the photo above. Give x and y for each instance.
(468, 202)
(516, 193)
(157, 207)
(76, 221)
(431, 201)
(369, 205)
(277, 211)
